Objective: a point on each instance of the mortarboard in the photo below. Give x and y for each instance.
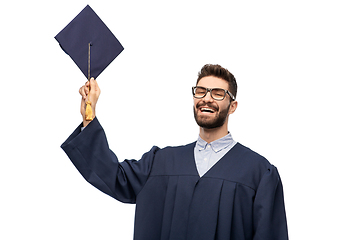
(89, 43)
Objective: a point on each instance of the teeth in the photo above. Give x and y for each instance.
(207, 110)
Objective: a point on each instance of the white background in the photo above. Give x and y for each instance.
(297, 67)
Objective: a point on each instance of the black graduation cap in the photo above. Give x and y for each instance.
(89, 42)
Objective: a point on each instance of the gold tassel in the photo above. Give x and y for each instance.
(88, 112)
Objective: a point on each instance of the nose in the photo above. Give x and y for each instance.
(208, 97)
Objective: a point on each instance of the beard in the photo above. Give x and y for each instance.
(213, 122)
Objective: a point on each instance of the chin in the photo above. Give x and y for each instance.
(210, 125)
(211, 122)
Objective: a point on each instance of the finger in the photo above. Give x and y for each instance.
(92, 83)
(86, 89)
(82, 106)
(82, 92)
(95, 90)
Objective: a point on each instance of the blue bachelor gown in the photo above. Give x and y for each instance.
(240, 197)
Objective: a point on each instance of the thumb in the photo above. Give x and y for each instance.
(94, 90)
(92, 87)
(92, 83)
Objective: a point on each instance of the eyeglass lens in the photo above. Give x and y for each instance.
(216, 93)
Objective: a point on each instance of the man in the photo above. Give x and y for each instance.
(214, 188)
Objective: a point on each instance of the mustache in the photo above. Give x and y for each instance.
(203, 104)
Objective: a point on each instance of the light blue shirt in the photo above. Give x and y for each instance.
(207, 154)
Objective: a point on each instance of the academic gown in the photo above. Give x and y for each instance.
(240, 197)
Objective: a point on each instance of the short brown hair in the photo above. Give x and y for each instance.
(220, 72)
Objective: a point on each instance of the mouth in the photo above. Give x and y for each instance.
(207, 110)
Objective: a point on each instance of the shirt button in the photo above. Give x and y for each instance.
(205, 159)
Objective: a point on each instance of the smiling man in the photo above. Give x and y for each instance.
(214, 188)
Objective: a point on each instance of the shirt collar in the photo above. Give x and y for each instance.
(216, 145)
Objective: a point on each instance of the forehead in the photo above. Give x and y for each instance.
(213, 82)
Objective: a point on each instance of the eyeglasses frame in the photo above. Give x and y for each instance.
(210, 90)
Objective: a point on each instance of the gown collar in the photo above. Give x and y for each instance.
(216, 145)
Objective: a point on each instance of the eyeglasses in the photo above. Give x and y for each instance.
(216, 93)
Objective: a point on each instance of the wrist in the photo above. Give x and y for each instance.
(86, 122)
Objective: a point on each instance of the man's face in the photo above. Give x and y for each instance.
(210, 113)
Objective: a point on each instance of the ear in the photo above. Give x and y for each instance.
(233, 106)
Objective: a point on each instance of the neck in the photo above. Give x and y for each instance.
(210, 135)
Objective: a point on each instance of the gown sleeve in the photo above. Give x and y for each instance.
(269, 208)
(89, 152)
